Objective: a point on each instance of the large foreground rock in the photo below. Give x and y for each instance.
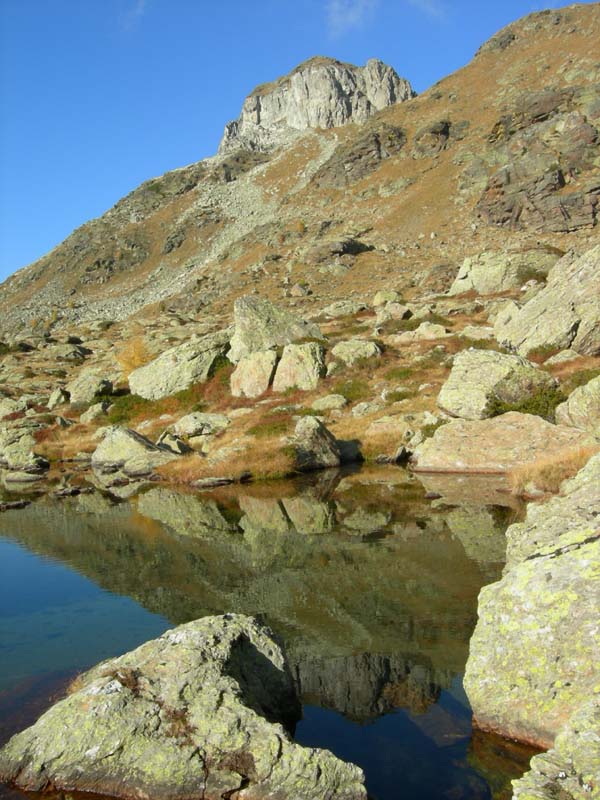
(582, 408)
(564, 314)
(253, 374)
(301, 367)
(259, 325)
(493, 271)
(195, 714)
(315, 447)
(494, 445)
(179, 367)
(124, 450)
(479, 378)
(571, 770)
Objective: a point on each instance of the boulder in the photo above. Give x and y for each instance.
(88, 384)
(197, 714)
(16, 451)
(331, 402)
(8, 406)
(199, 423)
(425, 332)
(384, 296)
(253, 374)
(314, 446)
(94, 412)
(494, 445)
(57, 398)
(571, 769)
(259, 325)
(354, 350)
(581, 409)
(566, 314)
(174, 443)
(390, 311)
(129, 452)
(494, 271)
(344, 308)
(179, 367)
(480, 378)
(478, 333)
(301, 367)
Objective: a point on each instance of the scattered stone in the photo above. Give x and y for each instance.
(493, 271)
(494, 445)
(123, 450)
(259, 325)
(344, 308)
(253, 374)
(315, 447)
(479, 378)
(566, 314)
(478, 333)
(582, 408)
(88, 385)
(58, 397)
(173, 443)
(179, 367)
(365, 408)
(390, 311)
(199, 423)
(17, 452)
(8, 406)
(94, 412)
(355, 350)
(386, 296)
(301, 367)
(200, 712)
(425, 332)
(331, 402)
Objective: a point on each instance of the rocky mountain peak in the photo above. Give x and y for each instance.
(319, 93)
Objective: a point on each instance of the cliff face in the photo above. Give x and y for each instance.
(320, 93)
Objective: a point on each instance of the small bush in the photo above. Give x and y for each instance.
(542, 404)
(132, 355)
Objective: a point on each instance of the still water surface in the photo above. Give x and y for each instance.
(372, 586)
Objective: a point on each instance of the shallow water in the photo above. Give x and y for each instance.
(372, 586)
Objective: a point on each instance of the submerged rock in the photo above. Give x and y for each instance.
(479, 378)
(198, 713)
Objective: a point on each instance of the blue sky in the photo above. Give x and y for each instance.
(99, 95)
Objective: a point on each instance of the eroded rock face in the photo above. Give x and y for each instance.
(494, 271)
(546, 610)
(179, 367)
(566, 314)
(320, 93)
(198, 713)
(494, 445)
(582, 408)
(481, 377)
(259, 325)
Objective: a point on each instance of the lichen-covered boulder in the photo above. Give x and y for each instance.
(200, 423)
(301, 367)
(179, 367)
(480, 378)
(427, 331)
(253, 374)
(198, 714)
(87, 385)
(354, 350)
(581, 409)
(8, 406)
(330, 402)
(123, 450)
(571, 769)
(496, 271)
(315, 447)
(259, 325)
(565, 314)
(17, 451)
(535, 653)
(494, 445)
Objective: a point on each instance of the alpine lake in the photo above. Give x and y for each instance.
(369, 577)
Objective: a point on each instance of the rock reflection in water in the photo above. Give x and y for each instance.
(372, 587)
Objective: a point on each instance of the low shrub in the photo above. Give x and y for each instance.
(542, 404)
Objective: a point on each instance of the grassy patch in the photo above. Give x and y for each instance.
(547, 473)
(352, 389)
(542, 404)
(131, 408)
(397, 374)
(540, 354)
(276, 425)
(578, 379)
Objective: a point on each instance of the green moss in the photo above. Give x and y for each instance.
(429, 430)
(542, 404)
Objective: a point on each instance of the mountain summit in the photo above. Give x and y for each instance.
(319, 93)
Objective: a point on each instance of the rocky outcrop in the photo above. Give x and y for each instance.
(571, 769)
(497, 271)
(259, 325)
(253, 374)
(482, 378)
(581, 409)
(546, 610)
(125, 451)
(179, 367)
(494, 445)
(319, 93)
(200, 712)
(301, 367)
(314, 446)
(565, 314)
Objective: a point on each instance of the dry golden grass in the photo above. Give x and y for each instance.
(267, 461)
(548, 473)
(133, 354)
(62, 444)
